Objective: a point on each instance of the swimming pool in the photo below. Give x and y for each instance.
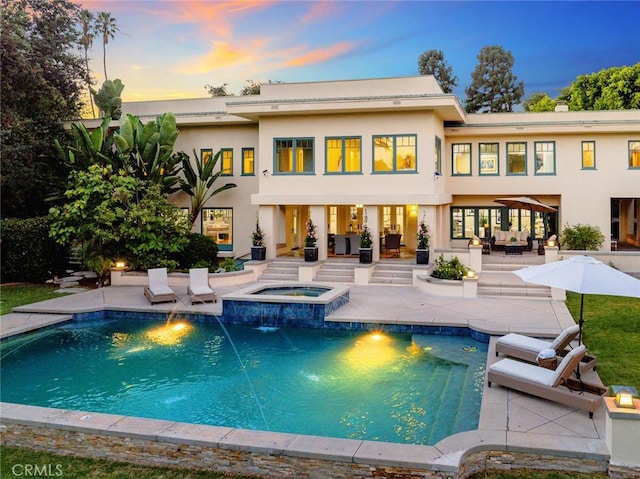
(344, 384)
(309, 291)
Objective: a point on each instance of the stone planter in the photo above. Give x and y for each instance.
(310, 253)
(366, 255)
(422, 256)
(258, 253)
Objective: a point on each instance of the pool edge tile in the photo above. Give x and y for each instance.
(321, 447)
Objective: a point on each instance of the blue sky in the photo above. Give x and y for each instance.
(172, 48)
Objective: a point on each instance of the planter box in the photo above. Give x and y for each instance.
(366, 255)
(422, 256)
(258, 253)
(310, 253)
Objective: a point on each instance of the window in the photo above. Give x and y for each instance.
(343, 155)
(545, 158)
(461, 159)
(484, 222)
(438, 165)
(588, 155)
(294, 156)
(634, 154)
(248, 161)
(227, 162)
(393, 154)
(516, 158)
(205, 155)
(217, 223)
(489, 158)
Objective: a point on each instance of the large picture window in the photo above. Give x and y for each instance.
(545, 158)
(489, 156)
(394, 154)
(516, 158)
(217, 223)
(634, 154)
(461, 159)
(343, 155)
(293, 156)
(248, 161)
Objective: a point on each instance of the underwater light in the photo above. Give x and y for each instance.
(169, 334)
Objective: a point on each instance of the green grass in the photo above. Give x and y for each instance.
(20, 294)
(611, 332)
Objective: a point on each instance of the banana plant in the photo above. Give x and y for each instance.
(198, 183)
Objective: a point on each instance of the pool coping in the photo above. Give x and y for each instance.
(448, 455)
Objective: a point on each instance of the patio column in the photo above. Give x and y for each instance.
(428, 213)
(319, 216)
(373, 223)
(268, 222)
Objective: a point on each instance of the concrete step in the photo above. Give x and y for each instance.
(393, 274)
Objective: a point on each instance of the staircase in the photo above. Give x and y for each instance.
(280, 271)
(393, 274)
(499, 280)
(336, 272)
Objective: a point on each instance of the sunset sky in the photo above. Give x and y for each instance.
(172, 48)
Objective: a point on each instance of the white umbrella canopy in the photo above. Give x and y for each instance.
(525, 203)
(582, 274)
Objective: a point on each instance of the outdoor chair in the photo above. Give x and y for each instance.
(545, 383)
(158, 290)
(199, 288)
(392, 242)
(340, 244)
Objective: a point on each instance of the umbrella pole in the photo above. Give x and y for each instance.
(580, 332)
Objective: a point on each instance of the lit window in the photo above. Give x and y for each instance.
(294, 156)
(634, 154)
(227, 162)
(217, 223)
(588, 155)
(545, 158)
(461, 159)
(392, 154)
(248, 161)
(343, 155)
(516, 158)
(489, 158)
(206, 154)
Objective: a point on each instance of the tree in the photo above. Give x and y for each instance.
(539, 102)
(43, 74)
(432, 62)
(198, 183)
(117, 216)
(215, 91)
(253, 87)
(581, 237)
(86, 22)
(107, 27)
(616, 88)
(494, 87)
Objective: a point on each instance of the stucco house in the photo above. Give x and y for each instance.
(390, 152)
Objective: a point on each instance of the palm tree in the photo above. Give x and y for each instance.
(86, 20)
(106, 26)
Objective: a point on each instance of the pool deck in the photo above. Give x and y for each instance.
(510, 420)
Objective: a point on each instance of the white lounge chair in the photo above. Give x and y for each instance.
(527, 348)
(545, 383)
(199, 288)
(158, 290)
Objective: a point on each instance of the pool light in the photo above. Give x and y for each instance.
(624, 396)
(170, 333)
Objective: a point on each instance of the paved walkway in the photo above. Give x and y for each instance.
(508, 419)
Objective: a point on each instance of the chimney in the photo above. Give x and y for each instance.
(562, 106)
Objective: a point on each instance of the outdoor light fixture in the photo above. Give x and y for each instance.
(551, 243)
(120, 264)
(471, 274)
(624, 396)
(475, 242)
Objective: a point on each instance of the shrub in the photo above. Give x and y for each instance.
(257, 237)
(581, 237)
(200, 252)
(452, 269)
(227, 266)
(311, 237)
(28, 254)
(423, 236)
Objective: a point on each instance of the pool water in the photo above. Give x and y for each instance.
(343, 384)
(309, 291)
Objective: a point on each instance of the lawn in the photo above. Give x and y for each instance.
(18, 294)
(611, 332)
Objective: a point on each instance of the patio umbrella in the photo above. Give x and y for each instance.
(528, 203)
(582, 274)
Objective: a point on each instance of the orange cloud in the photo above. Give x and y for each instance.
(320, 10)
(320, 55)
(222, 55)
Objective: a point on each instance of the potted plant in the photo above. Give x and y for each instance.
(422, 247)
(310, 241)
(366, 251)
(258, 247)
